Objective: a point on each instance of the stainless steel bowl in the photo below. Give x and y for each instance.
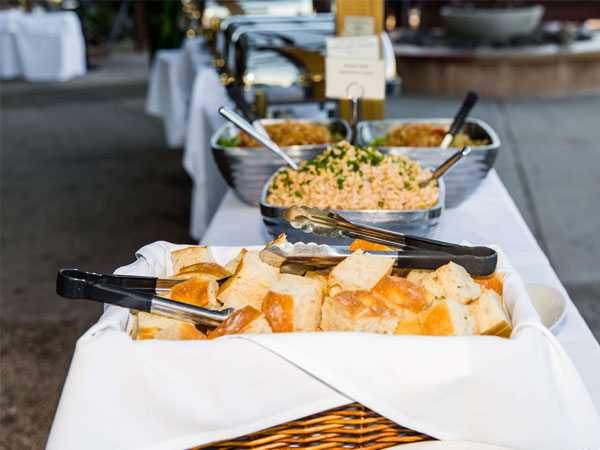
(246, 169)
(462, 179)
(417, 222)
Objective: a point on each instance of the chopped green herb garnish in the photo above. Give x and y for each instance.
(234, 141)
(379, 140)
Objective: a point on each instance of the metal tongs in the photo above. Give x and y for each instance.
(414, 252)
(134, 292)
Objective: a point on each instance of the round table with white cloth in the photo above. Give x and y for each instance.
(41, 46)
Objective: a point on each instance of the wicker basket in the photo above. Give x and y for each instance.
(349, 426)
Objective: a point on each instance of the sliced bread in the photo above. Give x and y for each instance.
(360, 271)
(357, 311)
(447, 318)
(246, 320)
(490, 317)
(402, 296)
(190, 255)
(249, 284)
(451, 281)
(293, 304)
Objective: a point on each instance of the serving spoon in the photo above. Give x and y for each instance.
(459, 118)
(441, 170)
(257, 135)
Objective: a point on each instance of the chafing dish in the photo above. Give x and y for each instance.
(231, 27)
(417, 222)
(246, 169)
(281, 61)
(461, 180)
(286, 57)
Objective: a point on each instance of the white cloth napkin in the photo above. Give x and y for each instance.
(123, 394)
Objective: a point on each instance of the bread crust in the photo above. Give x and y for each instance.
(239, 322)
(493, 282)
(409, 326)
(279, 312)
(360, 244)
(357, 310)
(190, 255)
(195, 291)
(447, 317)
(204, 269)
(399, 293)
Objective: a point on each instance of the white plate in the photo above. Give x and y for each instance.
(448, 445)
(550, 304)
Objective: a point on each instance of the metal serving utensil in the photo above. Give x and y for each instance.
(134, 292)
(443, 168)
(260, 136)
(459, 118)
(415, 252)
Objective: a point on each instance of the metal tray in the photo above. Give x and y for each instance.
(464, 177)
(416, 222)
(246, 169)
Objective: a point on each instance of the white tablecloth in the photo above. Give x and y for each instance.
(170, 87)
(41, 46)
(489, 216)
(184, 90)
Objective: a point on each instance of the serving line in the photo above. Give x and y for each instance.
(488, 216)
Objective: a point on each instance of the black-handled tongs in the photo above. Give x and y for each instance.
(415, 252)
(134, 292)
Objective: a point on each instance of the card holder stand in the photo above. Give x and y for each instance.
(355, 91)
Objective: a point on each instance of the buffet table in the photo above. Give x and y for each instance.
(488, 216)
(41, 46)
(182, 91)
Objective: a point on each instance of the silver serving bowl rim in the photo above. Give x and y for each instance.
(288, 148)
(348, 213)
(493, 145)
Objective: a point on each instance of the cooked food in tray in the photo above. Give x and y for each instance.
(349, 177)
(424, 135)
(362, 293)
(285, 134)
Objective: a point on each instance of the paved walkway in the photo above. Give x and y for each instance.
(87, 179)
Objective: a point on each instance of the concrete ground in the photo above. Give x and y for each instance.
(87, 180)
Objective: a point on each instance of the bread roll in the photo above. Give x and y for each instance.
(360, 271)
(357, 311)
(402, 295)
(293, 304)
(246, 320)
(447, 318)
(197, 292)
(249, 284)
(190, 255)
(451, 281)
(181, 331)
(490, 317)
